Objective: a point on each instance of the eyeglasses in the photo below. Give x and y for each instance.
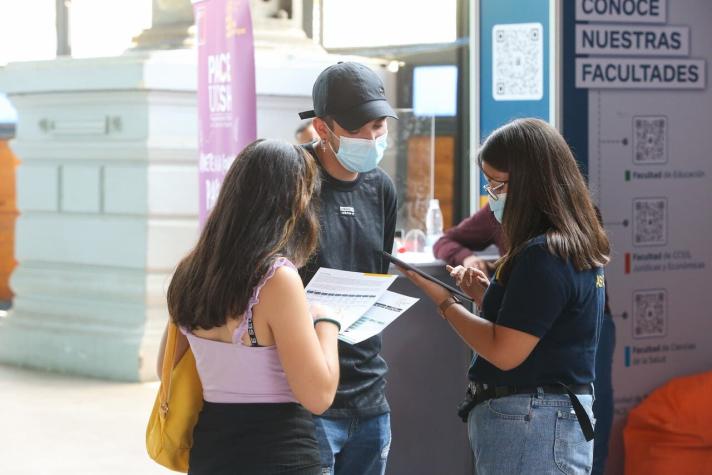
(492, 190)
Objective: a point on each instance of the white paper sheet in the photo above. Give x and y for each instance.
(349, 294)
(389, 307)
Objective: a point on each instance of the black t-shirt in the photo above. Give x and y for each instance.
(358, 219)
(547, 297)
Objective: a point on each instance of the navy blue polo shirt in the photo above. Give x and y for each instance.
(547, 297)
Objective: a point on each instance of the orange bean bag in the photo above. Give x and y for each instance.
(670, 432)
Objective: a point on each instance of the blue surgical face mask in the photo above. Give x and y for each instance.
(497, 206)
(361, 155)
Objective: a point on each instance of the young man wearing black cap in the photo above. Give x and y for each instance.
(358, 218)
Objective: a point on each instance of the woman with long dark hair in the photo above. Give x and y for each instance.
(263, 361)
(530, 393)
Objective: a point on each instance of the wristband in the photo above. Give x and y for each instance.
(447, 303)
(330, 320)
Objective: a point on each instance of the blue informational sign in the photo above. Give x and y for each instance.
(636, 112)
(515, 55)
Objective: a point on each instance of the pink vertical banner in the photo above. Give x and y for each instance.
(227, 105)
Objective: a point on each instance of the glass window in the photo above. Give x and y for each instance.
(97, 28)
(27, 30)
(435, 90)
(418, 41)
(421, 161)
(106, 27)
(368, 23)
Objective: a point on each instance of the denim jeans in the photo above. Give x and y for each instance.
(354, 445)
(603, 405)
(527, 434)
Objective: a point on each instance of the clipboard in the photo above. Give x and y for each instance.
(407, 266)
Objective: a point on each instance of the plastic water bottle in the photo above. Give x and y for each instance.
(433, 223)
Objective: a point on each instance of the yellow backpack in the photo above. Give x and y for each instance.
(169, 435)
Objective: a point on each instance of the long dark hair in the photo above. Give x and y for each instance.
(546, 194)
(265, 210)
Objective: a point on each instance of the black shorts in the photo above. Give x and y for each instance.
(254, 439)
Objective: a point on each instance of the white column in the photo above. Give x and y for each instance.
(107, 191)
(108, 194)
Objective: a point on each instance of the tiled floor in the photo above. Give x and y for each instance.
(56, 424)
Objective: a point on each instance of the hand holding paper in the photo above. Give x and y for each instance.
(348, 294)
(360, 302)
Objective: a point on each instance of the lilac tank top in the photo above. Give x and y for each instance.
(237, 373)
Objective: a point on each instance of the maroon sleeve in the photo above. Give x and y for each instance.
(473, 234)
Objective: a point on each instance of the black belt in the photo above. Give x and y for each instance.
(483, 392)
(478, 392)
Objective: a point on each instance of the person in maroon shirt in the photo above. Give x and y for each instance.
(458, 245)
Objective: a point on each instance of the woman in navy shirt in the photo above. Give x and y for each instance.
(530, 390)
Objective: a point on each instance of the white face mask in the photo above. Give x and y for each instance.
(360, 155)
(497, 206)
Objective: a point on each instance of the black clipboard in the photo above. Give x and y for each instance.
(407, 266)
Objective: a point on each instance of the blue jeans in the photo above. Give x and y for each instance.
(354, 446)
(603, 405)
(525, 434)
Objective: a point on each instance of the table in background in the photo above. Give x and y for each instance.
(427, 375)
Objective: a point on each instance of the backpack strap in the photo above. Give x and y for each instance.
(169, 357)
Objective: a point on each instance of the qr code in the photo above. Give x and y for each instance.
(649, 140)
(649, 313)
(649, 221)
(518, 62)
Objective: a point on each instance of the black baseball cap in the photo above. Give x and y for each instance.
(351, 93)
